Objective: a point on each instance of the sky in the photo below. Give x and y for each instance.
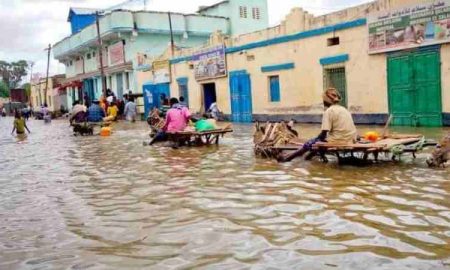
(28, 26)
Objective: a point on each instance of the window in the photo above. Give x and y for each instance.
(183, 92)
(274, 86)
(88, 56)
(243, 12)
(333, 41)
(93, 54)
(70, 63)
(256, 13)
(335, 77)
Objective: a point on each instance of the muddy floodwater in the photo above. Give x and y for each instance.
(109, 203)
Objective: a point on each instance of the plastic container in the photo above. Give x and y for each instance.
(105, 131)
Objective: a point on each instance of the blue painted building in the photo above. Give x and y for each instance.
(79, 18)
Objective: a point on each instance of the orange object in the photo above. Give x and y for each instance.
(105, 131)
(371, 136)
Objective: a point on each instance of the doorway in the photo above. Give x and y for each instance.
(414, 88)
(88, 87)
(119, 80)
(209, 95)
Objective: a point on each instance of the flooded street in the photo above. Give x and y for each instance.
(109, 203)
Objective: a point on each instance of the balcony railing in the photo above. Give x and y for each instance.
(117, 21)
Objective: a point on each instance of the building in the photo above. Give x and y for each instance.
(18, 95)
(79, 18)
(56, 94)
(387, 57)
(132, 39)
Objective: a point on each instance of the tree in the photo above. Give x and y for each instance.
(4, 90)
(27, 88)
(12, 73)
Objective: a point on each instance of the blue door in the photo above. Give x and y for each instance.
(241, 97)
(88, 89)
(153, 95)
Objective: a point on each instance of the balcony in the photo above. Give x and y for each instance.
(110, 24)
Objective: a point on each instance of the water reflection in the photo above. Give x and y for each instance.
(110, 203)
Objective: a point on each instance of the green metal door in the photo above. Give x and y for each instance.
(415, 89)
(427, 76)
(401, 90)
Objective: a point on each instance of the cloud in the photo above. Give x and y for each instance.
(28, 26)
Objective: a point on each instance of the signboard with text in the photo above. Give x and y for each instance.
(161, 71)
(210, 63)
(414, 26)
(116, 53)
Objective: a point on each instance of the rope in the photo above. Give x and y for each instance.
(397, 150)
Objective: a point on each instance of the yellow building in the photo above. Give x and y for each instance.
(379, 63)
(55, 98)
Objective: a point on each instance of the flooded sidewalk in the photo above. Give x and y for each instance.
(110, 203)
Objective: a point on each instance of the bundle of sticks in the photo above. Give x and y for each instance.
(155, 120)
(269, 139)
(441, 154)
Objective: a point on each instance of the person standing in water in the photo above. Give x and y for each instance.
(130, 110)
(19, 124)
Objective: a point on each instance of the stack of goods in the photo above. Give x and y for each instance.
(270, 139)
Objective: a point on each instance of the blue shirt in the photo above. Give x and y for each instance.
(95, 113)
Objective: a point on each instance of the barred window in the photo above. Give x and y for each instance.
(256, 13)
(335, 77)
(243, 12)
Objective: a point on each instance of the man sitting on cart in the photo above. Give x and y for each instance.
(337, 126)
(177, 119)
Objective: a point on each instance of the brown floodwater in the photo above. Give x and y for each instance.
(110, 203)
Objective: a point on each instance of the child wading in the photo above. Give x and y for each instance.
(19, 124)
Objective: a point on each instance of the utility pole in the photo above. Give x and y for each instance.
(31, 63)
(171, 34)
(100, 54)
(48, 68)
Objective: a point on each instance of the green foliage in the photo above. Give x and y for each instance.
(12, 73)
(27, 88)
(4, 89)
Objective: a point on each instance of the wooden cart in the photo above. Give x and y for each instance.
(194, 138)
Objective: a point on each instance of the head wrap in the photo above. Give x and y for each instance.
(331, 96)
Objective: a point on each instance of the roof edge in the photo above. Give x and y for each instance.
(203, 8)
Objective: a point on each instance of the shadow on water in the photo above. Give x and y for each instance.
(111, 203)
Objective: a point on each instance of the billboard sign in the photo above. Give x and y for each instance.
(161, 71)
(410, 27)
(210, 63)
(116, 53)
